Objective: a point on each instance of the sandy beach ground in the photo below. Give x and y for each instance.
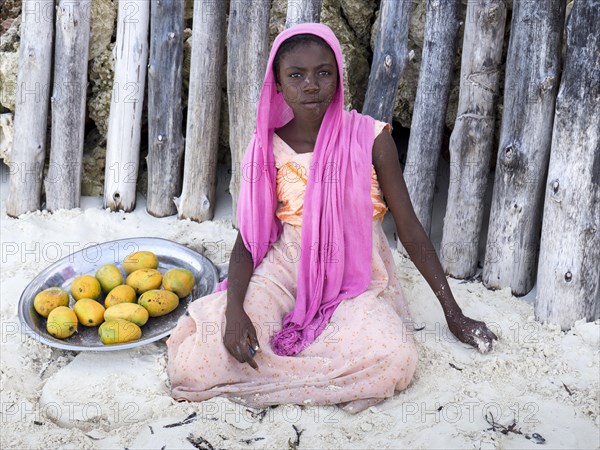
(542, 380)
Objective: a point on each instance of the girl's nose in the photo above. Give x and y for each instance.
(310, 82)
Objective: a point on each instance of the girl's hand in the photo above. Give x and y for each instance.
(472, 332)
(240, 336)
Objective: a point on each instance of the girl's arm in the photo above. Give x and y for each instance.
(419, 247)
(239, 331)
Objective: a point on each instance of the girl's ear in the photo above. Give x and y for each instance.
(278, 86)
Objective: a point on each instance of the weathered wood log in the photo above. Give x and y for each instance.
(472, 137)
(165, 134)
(125, 116)
(31, 107)
(247, 52)
(198, 196)
(569, 267)
(302, 11)
(63, 180)
(429, 114)
(532, 74)
(389, 59)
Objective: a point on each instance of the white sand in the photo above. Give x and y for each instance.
(58, 399)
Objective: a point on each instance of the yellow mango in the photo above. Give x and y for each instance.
(62, 322)
(109, 277)
(159, 302)
(143, 280)
(85, 286)
(89, 312)
(180, 281)
(127, 311)
(118, 331)
(121, 294)
(48, 299)
(140, 260)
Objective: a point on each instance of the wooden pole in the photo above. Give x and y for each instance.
(165, 134)
(532, 74)
(125, 116)
(429, 114)
(63, 180)
(569, 267)
(247, 52)
(472, 137)
(389, 59)
(198, 196)
(31, 107)
(302, 11)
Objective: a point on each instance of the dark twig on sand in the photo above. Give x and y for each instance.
(294, 445)
(512, 428)
(536, 437)
(199, 442)
(501, 428)
(185, 421)
(251, 440)
(260, 414)
(454, 367)
(567, 389)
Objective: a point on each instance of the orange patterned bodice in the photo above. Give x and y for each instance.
(292, 177)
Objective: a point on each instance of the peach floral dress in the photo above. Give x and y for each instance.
(363, 356)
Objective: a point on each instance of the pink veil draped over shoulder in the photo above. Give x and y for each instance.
(335, 261)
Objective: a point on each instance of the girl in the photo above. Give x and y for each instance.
(313, 311)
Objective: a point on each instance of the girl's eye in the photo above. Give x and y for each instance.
(324, 72)
(295, 75)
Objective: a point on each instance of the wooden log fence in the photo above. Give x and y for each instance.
(125, 116)
(198, 196)
(532, 74)
(389, 59)
(431, 103)
(63, 180)
(569, 265)
(165, 134)
(302, 11)
(472, 137)
(247, 53)
(31, 107)
(535, 120)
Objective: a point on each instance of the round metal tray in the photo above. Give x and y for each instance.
(85, 262)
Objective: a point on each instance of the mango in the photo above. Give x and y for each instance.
(121, 294)
(62, 322)
(143, 280)
(159, 302)
(180, 281)
(140, 260)
(118, 331)
(85, 286)
(48, 299)
(127, 311)
(109, 277)
(89, 312)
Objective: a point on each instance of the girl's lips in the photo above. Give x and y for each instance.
(311, 104)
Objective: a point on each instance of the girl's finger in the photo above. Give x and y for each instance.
(237, 354)
(246, 356)
(248, 359)
(254, 343)
(252, 340)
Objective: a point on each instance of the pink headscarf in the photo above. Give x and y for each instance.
(338, 210)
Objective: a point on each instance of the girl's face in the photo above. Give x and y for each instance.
(308, 78)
